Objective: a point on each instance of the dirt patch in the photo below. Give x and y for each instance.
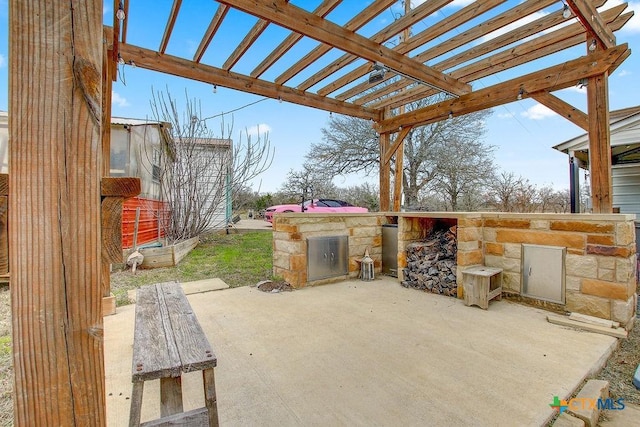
(277, 286)
(622, 365)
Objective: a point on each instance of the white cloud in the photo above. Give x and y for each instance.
(118, 100)
(3, 61)
(538, 112)
(578, 89)
(258, 130)
(624, 73)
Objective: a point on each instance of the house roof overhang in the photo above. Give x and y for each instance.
(625, 139)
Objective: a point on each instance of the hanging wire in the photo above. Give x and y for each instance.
(235, 109)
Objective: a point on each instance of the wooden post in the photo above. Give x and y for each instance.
(599, 142)
(108, 67)
(385, 173)
(55, 100)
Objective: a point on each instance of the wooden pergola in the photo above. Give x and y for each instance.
(62, 65)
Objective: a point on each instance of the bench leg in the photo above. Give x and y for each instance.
(210, 399)
(170, 396)
(136, 404)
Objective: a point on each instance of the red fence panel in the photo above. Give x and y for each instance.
(149, 229)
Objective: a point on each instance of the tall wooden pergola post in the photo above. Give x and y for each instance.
(55, 100)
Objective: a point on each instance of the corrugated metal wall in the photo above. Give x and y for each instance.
(148, 227)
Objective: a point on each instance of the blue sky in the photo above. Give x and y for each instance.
(522, 131)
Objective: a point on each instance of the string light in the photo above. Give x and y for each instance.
(566, 12)
(519, 97)
(450, 115)
(133, 64)
(120, 60)
(120, 12)
(592, 46)
(215, 88)
(280, 100)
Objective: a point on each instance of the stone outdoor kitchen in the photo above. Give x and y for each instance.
(595, 254)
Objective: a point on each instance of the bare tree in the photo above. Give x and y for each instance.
(351, 145)
(502, 191)
(464, 167)
(307, 183)
(199, 172)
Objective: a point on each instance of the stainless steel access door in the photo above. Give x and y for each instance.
(543, 272)
(327, 257)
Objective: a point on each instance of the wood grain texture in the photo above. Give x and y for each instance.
(347, 40)
(169, 341)
(385, 173)
(125, 187)
(148, 59)
(4, 184)
(112, 230)
(599, 144)
(4, 235)
(55, 212)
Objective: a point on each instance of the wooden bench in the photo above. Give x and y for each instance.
(481, 284)
(168, 341)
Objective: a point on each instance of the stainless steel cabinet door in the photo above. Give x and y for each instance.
(543, 272)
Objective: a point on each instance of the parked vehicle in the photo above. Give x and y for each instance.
(315, 206)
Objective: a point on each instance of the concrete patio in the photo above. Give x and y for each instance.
(368, 353)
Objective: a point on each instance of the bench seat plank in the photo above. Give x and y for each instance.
(155, 354)
(194, 349)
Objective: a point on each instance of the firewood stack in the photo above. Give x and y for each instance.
(431, 264)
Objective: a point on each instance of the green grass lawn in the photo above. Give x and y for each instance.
(239, 259)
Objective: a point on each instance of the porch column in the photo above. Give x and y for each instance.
(55, 103)
(599, 139)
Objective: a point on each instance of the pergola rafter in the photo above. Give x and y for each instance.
(59, 159)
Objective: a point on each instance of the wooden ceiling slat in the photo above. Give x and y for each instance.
(452, 21)
(513, 36)
(175, 9)
(548, 44)
(395, 28)
(215, 23)
(329, 33)
(496, 61)
(151, 60)
(245, 44)
(474, 33)
(588, 15)
(353, 25)
(323, 10)
(553, 78)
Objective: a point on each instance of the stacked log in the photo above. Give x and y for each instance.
(431, 264)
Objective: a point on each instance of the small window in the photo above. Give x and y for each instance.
(156, 172)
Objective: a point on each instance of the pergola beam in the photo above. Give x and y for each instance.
(322, 10)
(589, 16)
(324, 31)
(551, 79)
(562, 108)
(148, 59)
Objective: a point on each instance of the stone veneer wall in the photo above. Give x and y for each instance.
(290, 233)
(600, 262)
